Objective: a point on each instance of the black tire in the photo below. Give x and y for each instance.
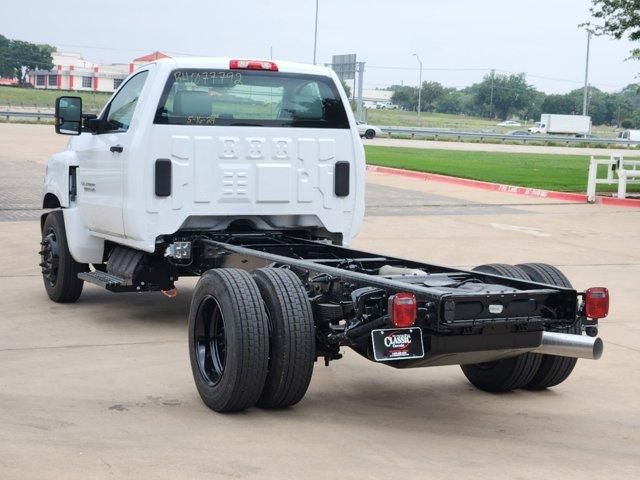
(292, 337)
(59, 269)
(509, 373)
(503, 270)
(228, 340)
(370, 134)
(553, 369)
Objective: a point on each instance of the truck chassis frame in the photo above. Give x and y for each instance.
(350, 299)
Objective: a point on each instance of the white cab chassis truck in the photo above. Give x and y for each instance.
(250, 174)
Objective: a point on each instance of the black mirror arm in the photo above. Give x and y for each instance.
(91, 123)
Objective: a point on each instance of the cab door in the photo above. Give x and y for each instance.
(102, 158)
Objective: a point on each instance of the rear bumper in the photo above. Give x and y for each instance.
(468, 349)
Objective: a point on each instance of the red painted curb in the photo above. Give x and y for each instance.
(498, 187)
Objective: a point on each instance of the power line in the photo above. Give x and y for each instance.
(510, 72)
(433, 69)
(378, 67)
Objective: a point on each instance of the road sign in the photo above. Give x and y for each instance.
(344, 66)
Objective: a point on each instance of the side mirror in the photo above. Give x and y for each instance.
(68, 119)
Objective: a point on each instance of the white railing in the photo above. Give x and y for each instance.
(619, 171)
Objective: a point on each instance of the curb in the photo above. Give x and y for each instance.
(498, 187)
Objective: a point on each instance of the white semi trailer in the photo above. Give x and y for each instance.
(553, 124)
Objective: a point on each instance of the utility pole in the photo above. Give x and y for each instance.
(493, 72)
(359, 106)
(585, 94)
(315, 36)
(419, 86)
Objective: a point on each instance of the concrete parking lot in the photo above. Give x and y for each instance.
(103, 388)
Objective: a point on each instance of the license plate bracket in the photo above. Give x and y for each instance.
(390, 344)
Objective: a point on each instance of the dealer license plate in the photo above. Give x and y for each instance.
(397, 344)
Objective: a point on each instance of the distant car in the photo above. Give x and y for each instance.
(368, 131)
(509, 123)
(369, 105)
(518, 132)
(387, 106)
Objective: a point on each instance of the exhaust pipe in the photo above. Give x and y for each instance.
(570, 345)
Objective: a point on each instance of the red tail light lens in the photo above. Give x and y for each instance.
(403, 309)
(252, 65)
(596, 302)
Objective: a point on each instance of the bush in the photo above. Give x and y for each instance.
(626, 123)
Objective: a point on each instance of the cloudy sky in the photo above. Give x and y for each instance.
(458, 40)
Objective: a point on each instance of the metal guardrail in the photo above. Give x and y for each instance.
(461, 135)
(25, 114)
(424, 132)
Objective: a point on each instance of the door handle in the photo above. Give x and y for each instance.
(116, 149)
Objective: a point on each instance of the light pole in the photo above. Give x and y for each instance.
(419, 86)
(585, 94)
(493, 73)
(315, 35)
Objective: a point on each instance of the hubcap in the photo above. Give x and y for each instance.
(50, 257)
(210, 340)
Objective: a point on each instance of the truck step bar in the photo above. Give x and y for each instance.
(106, 280)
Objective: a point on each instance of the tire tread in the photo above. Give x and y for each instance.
(509, 373)
(248, 316)
(292, 338)
(553, 369)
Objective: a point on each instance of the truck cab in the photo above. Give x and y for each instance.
(284, 153)
(538, 127)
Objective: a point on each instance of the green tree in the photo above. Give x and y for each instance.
(563, 104)
(431, 93)
(617, 18)
(502, 95)
(404, 96)
(18, 57)
(6, 68)
(453, 101)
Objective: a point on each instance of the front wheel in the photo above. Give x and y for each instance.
(369, 134)
(59, 269)
(228, 340)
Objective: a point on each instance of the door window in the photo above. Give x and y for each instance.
(120, 110)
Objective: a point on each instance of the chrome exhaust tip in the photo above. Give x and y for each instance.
(571, 345)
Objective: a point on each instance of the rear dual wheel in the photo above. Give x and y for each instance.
(509, 373)
(553, 369)
(251, 340)
(531, 371)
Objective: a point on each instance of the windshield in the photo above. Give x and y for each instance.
(250, 98)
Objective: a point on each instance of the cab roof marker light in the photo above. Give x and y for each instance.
(253, 65)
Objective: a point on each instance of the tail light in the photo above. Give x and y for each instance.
(403, 309)
(252, 65)
(596, 302)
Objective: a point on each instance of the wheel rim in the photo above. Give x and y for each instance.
(210, 340)
(50, 257)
